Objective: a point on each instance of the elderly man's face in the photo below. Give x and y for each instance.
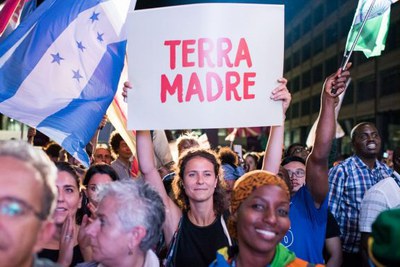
(102, 155)
(21, 230)
(108, 238)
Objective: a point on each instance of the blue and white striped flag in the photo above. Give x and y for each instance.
(59, 70)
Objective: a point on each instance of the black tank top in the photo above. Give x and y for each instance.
(197, 246)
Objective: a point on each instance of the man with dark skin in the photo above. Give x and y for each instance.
(349, 181)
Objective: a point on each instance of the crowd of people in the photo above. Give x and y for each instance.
(286, 208)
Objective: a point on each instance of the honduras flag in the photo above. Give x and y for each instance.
(59, 70)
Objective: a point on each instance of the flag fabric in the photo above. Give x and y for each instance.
(373, 35)
(59, 70)
(117, 114)
(10, 15)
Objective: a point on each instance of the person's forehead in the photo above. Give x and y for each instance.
(107, 206)
(122, 142)
(102, 151)
(294, 164)
(100, 178)
(366, 128)
(249, 158)
(297, 146)
(19, 179)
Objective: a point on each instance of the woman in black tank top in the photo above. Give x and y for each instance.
(198, 207)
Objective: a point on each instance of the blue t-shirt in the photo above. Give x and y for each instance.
(306, 235)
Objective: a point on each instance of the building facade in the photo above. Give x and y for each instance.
(315, 39)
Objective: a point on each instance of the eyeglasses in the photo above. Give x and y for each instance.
(13, 207)
(300, 149)
(298, 173)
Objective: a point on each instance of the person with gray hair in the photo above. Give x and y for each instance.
(27, 202)
(129, 221)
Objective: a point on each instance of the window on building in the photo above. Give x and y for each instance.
(305, 107)
(390, 81)
(289, 113)
(306, 79)
(296, 136)
(288, 64)
(318, 14)
(306, 52)
(393, 37)
(296, 59)
(349, 95)
(307, 24)
(331, 6)
(317, 73)
(331, 34)
(366, 89)
(359, 58)
(331, 65)
(315, 102)
(345, 24)
(295, 84)
(288, 39)
(342, 2)
(295, 110)
(296, 33)
(318, 44)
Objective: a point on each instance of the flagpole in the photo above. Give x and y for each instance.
(347, 54)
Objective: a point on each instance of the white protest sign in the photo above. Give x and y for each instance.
(205, 66)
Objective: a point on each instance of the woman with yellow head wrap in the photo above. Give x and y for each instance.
(260, 219)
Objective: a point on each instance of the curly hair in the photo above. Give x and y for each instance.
(115, 140)
(228, 156)
(219, 197)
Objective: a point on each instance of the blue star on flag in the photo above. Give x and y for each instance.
(57, 58)
(95, 16)
(77, 75)
(80, 45)
(100, 36)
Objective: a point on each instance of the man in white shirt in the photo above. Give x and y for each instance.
(382, 196)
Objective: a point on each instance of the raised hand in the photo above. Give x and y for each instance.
(282, 93)
(84, 239)
(335, 84)
(92, 209)
(127, 85)
(103, 122)
(67, 241)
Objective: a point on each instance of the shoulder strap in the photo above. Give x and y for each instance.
(226, 230)
(169, 261)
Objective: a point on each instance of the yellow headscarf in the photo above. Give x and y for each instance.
(245, 185)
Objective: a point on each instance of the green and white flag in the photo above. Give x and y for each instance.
(373, 35)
